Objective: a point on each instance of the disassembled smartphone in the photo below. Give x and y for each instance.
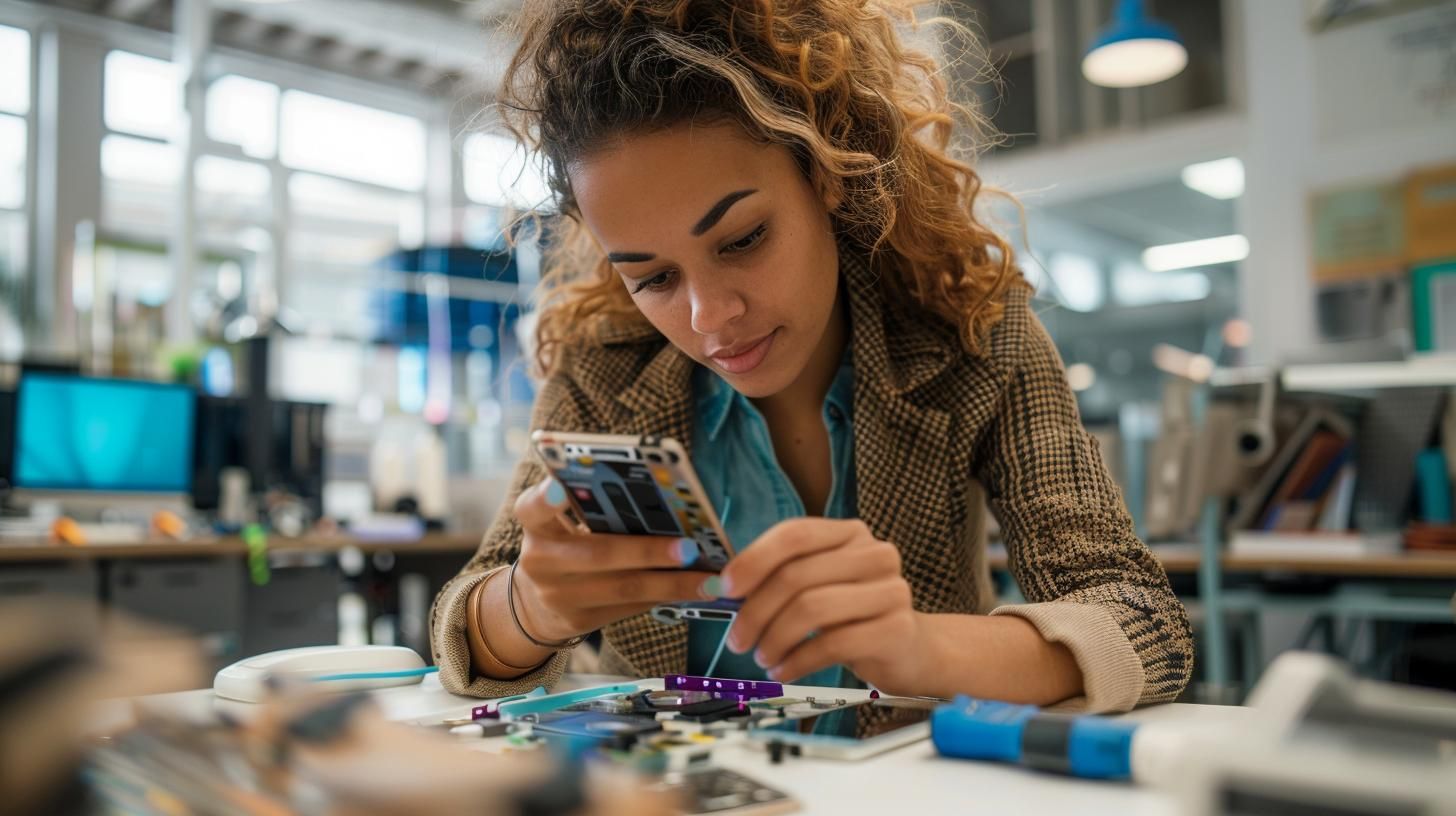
(634, 485)
(856, 732)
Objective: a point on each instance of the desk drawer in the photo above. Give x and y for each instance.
(203, 596)
(76, 579)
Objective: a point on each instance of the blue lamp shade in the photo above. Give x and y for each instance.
(1134, 50)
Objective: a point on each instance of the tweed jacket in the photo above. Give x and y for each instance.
(939, 435)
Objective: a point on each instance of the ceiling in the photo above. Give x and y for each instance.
(1164, 212)
(430, 44)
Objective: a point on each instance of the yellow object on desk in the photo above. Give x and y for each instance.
(167, 524)
(67, 531)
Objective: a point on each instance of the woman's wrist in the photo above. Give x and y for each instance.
(491, 617)
(527, 624)
(999, 658)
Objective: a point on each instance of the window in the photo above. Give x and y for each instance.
(244, 112)
(1078, 279)
(14, 71)
(143, 95)
(499, 173)
(138, 186)
(233, 191)
(338, 234)
(16, 284)
(1133, 285)
(351, 141)
(12, 162)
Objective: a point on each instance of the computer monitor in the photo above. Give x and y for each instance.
(89, 435)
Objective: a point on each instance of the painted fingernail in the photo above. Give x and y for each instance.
(776, 674)
(555, 494)
(759, 659)
(735, 642)
(687, 551)
(712, 588)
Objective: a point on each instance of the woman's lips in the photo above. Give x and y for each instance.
(748, 359)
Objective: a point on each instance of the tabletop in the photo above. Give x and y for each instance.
(912, 779)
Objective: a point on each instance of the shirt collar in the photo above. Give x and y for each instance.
(715, 399)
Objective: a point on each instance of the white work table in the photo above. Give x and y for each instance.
(906, 781)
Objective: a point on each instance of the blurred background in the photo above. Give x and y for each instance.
(261, 322)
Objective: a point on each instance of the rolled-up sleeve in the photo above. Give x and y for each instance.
(1093, 586)
(556, 409)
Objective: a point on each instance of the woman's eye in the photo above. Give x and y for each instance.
(656, 283)
(748, 241)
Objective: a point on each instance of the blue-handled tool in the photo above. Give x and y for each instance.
(1087, 746)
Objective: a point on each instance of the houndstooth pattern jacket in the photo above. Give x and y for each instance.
(939, 436)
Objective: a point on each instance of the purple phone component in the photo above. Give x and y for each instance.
(738, 689)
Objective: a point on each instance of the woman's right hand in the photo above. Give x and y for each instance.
(568, 583)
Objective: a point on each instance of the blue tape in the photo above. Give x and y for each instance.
(377, 675)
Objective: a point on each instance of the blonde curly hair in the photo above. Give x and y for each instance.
(868, 120)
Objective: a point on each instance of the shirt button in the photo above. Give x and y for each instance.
(835, 414)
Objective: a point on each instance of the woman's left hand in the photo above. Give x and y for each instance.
(818, 592)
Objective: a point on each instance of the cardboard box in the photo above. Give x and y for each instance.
(1430, 215)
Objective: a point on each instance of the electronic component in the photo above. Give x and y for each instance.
(618, 732)
(738, 689)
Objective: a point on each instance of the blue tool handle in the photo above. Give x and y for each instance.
(1085, 746)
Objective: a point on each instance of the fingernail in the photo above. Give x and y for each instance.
(555, 494)
(776, 674)
(687, 551)
(759, 659)
(735, 642)
(712, 588)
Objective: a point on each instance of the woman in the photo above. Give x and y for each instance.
(771, 254)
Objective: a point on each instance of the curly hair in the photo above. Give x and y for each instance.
(868, 120)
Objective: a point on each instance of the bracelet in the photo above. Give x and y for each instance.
(484, 660)
(511, 597)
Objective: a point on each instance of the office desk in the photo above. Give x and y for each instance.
(211, 588)
(1404, 587)
(909, 780)
(13, 550)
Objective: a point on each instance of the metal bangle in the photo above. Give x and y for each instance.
(511, 599)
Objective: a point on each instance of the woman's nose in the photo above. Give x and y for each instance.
(714, 308)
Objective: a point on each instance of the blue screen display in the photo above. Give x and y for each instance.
(74, 433)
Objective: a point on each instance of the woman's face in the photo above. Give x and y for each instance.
(723, 245)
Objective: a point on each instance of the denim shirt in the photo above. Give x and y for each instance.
(734, 457)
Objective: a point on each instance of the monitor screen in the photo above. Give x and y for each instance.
(82, 434)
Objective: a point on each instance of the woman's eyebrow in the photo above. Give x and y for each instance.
(706, 223)
(630, 257)
(719, 210)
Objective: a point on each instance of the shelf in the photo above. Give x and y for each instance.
(1427, 372)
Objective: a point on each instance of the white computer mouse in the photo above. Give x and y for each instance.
(336, 668)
